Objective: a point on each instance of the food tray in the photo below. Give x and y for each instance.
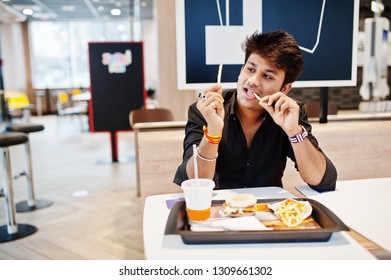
(177, 223)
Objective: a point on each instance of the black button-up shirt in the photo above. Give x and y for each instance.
(262, 164)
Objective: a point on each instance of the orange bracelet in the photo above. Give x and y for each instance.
(213, 139)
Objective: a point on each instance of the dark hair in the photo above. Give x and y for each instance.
(279, 48)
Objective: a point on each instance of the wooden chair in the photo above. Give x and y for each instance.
(144, 145)
(150, 115)
(313, 109)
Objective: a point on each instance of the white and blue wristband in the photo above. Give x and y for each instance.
(299, 137)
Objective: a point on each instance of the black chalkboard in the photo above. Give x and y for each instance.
(117, 84)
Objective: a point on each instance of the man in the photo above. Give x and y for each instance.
(243, 141)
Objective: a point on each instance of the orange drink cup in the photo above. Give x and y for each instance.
(198, 198)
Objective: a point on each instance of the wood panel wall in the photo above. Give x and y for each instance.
(170, 97)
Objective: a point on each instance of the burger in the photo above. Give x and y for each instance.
(239, 205)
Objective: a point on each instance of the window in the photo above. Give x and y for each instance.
(60, 50)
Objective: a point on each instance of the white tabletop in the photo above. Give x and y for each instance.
(363, 205)
(159, 246)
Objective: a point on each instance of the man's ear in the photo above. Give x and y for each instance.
(286, 88)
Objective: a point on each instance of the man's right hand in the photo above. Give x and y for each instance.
(211, 106)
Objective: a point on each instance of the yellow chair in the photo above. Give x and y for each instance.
(16, 99)
(75, 91)
(18, 104)
(62, 100)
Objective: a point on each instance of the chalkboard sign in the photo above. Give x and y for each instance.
(117, 84)
(210, 33)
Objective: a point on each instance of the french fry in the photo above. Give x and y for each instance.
(292, 212)
(257, 97)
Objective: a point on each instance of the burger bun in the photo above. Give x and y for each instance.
(241, 200)
(239, 205)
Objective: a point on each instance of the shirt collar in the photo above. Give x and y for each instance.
(232, 103)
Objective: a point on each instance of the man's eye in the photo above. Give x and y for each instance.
(267, 76)
(250, 69)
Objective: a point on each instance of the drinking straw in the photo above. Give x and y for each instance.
(219, 74)
(195, 161)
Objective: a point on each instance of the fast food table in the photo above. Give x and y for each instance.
(159, 246)
(363, 205)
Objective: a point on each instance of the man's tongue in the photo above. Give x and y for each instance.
(250, 94)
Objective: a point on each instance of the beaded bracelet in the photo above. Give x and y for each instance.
(213, 139)
(204, 158)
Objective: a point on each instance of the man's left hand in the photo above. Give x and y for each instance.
(284, 111)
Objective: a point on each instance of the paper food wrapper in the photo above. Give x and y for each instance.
(229, 224)
(292, 212)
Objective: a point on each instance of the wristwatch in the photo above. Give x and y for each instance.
(299, 137)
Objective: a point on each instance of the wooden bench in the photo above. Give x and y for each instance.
(159, 148)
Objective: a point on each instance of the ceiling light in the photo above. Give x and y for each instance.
(100, 8)
(68, 8)
(44, 16)
(116, 12)
(27, 12)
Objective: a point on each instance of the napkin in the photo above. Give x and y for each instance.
(266, 216)
(227, 224)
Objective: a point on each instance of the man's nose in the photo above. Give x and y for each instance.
(253, 80)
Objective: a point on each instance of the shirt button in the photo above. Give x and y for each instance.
(248, 164)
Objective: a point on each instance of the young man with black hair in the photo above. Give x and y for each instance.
(244, 136)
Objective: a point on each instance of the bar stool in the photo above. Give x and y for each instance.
(31, 203)
(12, 230)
